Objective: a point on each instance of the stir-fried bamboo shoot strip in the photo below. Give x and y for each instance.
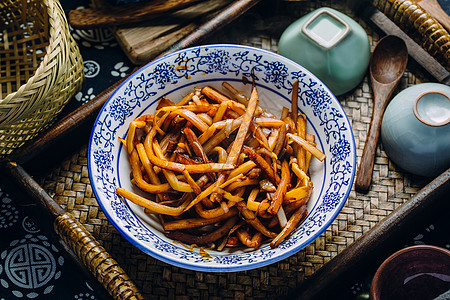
(206, 238)
(193, 118)
(305, 144)
(282, 188)
(242, 169)
(152, 206)
(268, 122)
(261, 163)
(293, 206)
(163, 102)
(237, 107)
(213, 212)
(197, 148)
(170, 175)
(214, 95)
(195, 144)
(281, 215)
(294, 101)
(130, 140)
(206, 118)
(298, 193)
(221, 111)
(301, 132)
(222, 154)
(237, 94)
(177, 167)
(267, 186)
(148, 167)
(311, 139)
(195, 188)
(251, 203)
(209, 190)
(138, 179)
(240, 97)
(259, 135)
(240, 138)
(221, 135)
(302, 177)
(290, 226)
(185, 100)
(246, 182)
(243, 129)
(249, 241)
(280, 141)
(291, 126)
(154, 179)
(198, 222)
(251, 219)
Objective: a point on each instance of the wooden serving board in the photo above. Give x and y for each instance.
(143, 42)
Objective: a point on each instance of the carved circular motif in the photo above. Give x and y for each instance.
(30, 267)
(29, 226)
(91, 68)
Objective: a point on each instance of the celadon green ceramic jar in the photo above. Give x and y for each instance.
(415, 130)
(331, 45)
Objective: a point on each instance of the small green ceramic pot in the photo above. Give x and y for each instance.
(415, 129)
(329, 44)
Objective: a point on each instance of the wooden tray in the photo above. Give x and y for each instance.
(393, 195)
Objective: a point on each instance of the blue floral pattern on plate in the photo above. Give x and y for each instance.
(175, 75)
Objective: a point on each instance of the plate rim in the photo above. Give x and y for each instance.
(192, 265)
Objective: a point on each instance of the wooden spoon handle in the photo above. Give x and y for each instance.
(364, 176)
(87, 18)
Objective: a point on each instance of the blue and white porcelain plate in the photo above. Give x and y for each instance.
(174, 76)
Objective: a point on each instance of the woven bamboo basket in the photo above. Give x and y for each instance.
(40, 68)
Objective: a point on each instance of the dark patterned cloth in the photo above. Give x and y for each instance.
(104, 61)
(33, 265)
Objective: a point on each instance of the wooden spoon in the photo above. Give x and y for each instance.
(387, 64)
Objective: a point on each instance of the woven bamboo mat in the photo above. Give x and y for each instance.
(69, 185)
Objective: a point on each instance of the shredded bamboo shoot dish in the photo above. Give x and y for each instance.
(225, 172)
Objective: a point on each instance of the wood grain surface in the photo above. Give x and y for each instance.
(110, 15)
(144, 41)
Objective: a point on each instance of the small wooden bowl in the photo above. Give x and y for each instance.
(416, 272)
